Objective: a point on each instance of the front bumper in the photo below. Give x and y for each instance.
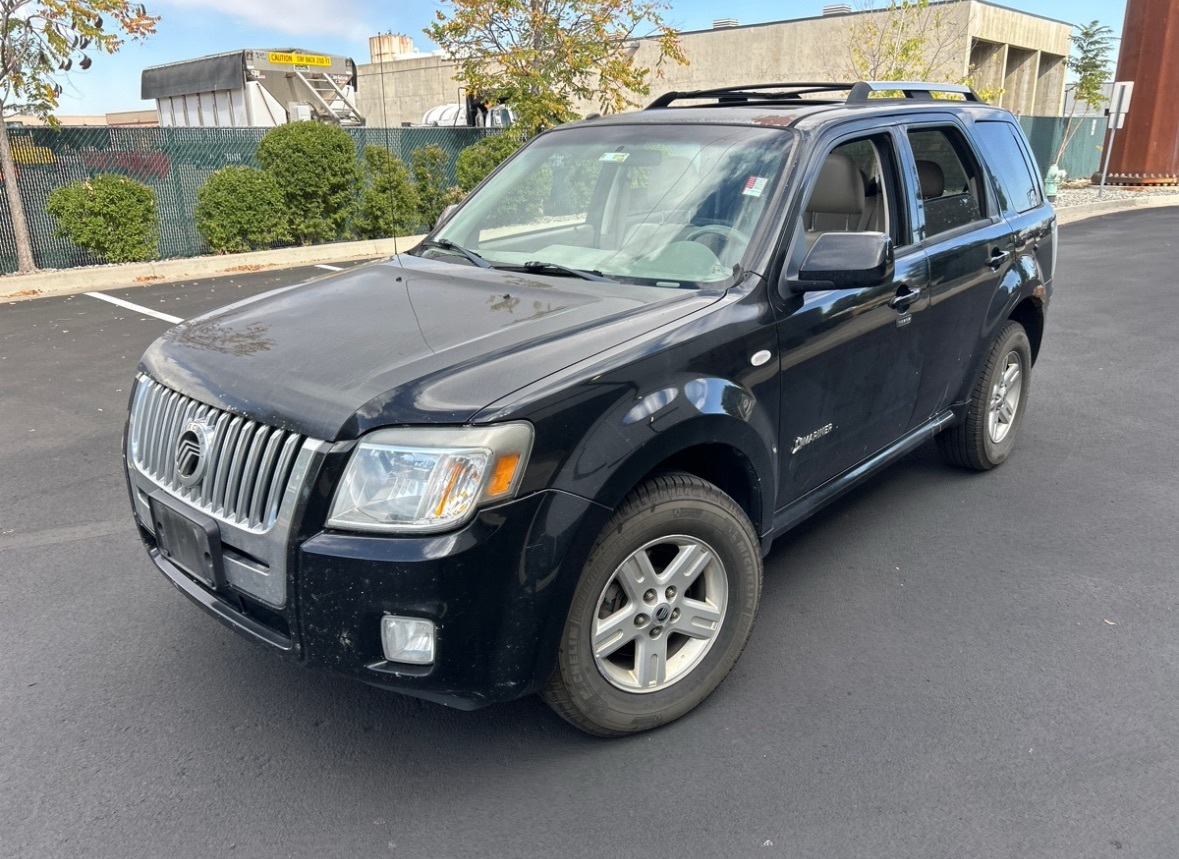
(496, 590)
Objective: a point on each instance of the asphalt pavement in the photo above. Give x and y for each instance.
(945, 664)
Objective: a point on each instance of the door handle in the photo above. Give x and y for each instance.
(902, 300)
(997, 258)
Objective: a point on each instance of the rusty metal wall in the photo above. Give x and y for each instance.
(1146, 148)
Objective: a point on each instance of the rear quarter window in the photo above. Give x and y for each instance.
(1009, 166)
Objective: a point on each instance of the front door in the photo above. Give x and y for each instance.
(851, 359)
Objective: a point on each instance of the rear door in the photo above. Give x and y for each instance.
(1021, 194)
(970, 250)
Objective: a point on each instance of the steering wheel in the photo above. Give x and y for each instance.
(722, 235)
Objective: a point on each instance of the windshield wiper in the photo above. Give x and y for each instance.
(537, 267)
(448, 245)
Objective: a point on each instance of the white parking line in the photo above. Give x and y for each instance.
(329, 267)
(137, 308)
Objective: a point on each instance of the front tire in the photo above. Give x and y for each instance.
(986, 435)
(663, 609)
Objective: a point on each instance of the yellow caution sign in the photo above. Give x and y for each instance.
(298, 59)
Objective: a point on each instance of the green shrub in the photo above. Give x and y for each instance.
(431, 182)
(110, 216)
(241, 209)
(389, 202)
(479, 159)
(314, 166)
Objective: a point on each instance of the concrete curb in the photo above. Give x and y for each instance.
(16, 287)
(1084, 211)
(91, 278)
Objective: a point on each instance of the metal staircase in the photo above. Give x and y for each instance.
(328, 100)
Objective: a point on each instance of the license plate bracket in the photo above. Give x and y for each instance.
(188, 540)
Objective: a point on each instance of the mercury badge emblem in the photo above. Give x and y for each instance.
(192, 452)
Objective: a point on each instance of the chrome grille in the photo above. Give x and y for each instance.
(249, 462)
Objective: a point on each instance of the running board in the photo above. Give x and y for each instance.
(816, 499)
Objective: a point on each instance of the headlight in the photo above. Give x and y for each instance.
(414, 479)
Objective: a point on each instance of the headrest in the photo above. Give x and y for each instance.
(839, 189)
(933, 180)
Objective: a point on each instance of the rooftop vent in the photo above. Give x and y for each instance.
(837, 9)
(724, 23)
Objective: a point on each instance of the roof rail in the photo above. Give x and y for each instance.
(919, 90)
(857, 93)
(754, 92)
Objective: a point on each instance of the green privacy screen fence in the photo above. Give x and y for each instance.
(175, 162)
(1082, 158)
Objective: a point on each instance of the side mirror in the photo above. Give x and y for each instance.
(445, 214)
(845, 261)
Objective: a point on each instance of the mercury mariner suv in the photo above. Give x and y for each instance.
(547, 449)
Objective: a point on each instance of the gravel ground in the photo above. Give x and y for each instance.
(1076, 196)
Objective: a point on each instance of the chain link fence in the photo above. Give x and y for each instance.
(174, 162)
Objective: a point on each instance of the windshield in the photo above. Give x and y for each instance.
(664, 205)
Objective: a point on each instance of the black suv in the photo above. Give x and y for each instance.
(547, 449)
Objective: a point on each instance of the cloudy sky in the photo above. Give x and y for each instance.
(194, 28)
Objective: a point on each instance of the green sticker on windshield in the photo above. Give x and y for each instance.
(615, 157)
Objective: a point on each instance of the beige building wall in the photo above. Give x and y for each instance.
(1020, 52)
(120, 118)
(401, 90)
(806, 49)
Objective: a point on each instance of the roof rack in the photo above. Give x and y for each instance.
(919, 90)
(791, 93)
(753, 92)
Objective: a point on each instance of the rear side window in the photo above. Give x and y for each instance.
(951, 185)
(1018, 186)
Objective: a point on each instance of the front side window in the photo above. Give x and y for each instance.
(671, 205)
(951, 185)
(854, 192)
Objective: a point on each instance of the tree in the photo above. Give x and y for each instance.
(388, 202)
(112, 217)
(241, 209)
(314, 166)
(428, 166)
(909, 40)
(541, 56)
(479, 159)
(1089, 61)
(39, 41)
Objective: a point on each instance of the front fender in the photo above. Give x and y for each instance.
(641, 433)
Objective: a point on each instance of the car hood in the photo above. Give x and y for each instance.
(403, 341)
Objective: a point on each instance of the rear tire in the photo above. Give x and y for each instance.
(986, 435)
(663, 609)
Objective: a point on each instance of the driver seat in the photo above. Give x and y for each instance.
(837, 201)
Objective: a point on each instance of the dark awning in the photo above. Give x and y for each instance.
(218, 72)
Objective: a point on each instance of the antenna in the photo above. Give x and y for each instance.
(385, 122)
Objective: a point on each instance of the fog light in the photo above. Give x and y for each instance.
(408, 639)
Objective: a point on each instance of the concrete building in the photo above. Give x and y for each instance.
(1004, 48)
(125, 118)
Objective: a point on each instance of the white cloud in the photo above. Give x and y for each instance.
(290, 17)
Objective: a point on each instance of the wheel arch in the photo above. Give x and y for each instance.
(724, 451)
(741, 466)
(1030, 314)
